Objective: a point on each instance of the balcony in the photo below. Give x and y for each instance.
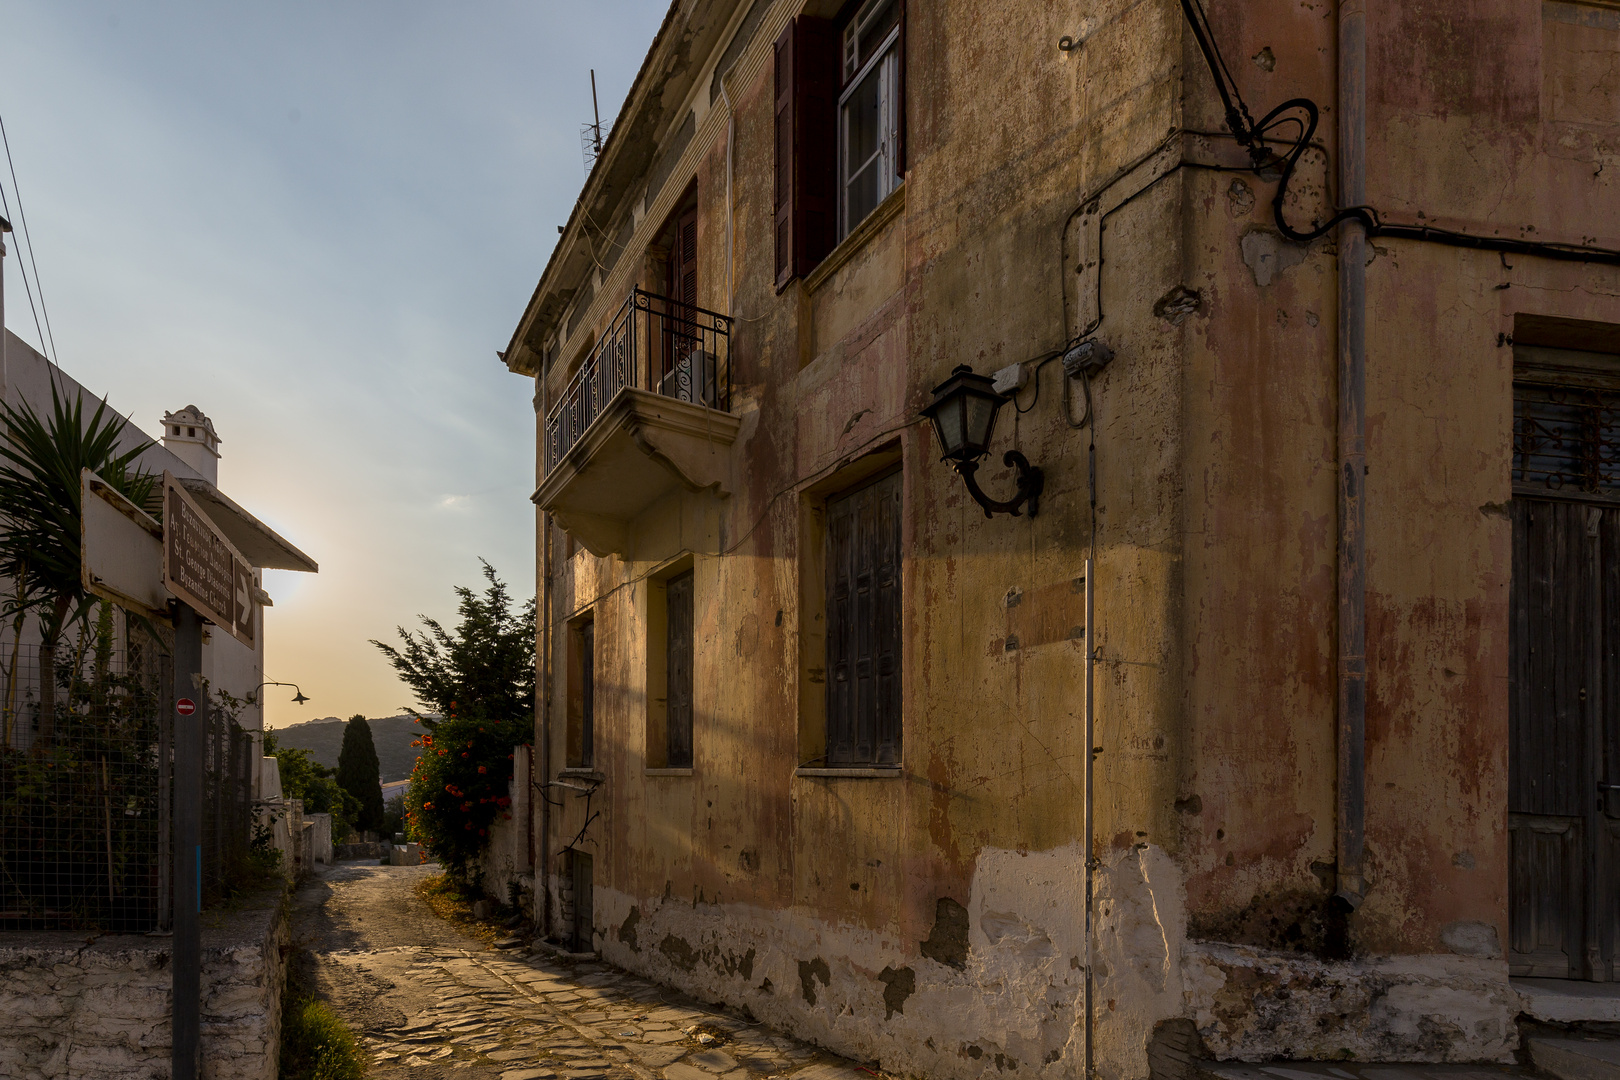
(645, 424)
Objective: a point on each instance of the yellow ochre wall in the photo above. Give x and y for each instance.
(936, 921)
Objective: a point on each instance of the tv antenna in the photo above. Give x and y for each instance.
(590, 135)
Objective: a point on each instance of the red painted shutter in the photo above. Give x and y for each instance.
(784, 157)
(807, 79)
(683, 261)
(815, 155)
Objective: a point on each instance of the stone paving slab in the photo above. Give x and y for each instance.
(464, 1011)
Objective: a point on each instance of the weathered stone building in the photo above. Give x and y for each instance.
(813, 726)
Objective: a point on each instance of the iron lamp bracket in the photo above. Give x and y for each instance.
(1030, 482)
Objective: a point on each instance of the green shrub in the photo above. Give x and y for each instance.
(316, 1045)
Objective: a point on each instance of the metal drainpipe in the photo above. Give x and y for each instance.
(1352, 635)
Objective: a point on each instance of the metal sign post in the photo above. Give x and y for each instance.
(190, 716)
(214, 582)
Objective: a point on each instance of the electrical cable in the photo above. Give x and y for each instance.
(22, 219)
(1253, 137)
(23, 270)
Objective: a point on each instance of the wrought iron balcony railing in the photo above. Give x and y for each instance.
(655, 344)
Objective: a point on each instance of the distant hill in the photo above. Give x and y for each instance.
(324, 739)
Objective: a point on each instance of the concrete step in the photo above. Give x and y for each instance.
(1575, 1058)
(1345, 1070)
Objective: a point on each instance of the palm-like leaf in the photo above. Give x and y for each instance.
(40, 510)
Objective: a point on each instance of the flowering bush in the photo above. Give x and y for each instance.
(454, 799)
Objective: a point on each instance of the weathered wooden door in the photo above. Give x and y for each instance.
(584, 903)
(678, 669)
(863, 625)
(1564, 684)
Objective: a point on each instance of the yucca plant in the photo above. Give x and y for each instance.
(41, 514)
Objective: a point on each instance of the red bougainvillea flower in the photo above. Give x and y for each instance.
(483, 832)
(482, 770)
(503, 802)
(427, 806)
(441, 753)
(465, 754)
(480, 731)
(468, 826)
(508, 757)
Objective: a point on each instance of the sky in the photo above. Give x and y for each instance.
(316, 221)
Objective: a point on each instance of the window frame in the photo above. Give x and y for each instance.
(891, 111)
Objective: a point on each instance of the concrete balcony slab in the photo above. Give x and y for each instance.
(642, 450)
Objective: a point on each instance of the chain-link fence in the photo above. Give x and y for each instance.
(86, 785)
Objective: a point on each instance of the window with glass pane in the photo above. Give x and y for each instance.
(869, 111)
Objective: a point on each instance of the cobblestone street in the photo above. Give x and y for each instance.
(430, 1001)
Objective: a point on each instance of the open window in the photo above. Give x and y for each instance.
(869, 111)
(840, 127)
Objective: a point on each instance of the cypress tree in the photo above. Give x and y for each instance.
(359, 774)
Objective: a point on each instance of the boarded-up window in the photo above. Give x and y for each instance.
(807, 85)
(678, 654)
(863, 624)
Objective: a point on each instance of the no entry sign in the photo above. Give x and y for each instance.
(185, 706)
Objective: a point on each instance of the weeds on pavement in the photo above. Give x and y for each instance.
(316, 1045)
(452, 901)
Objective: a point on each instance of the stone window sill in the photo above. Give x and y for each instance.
(858, 238)
(888, 773)
(666, 772)
(583, 774)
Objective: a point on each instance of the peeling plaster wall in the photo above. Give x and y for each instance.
(1253, 1005)
(1000, 991)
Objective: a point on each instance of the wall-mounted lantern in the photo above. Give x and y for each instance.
(964, 415)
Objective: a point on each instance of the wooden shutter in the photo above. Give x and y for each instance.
(900, 100)
(807, 82)
(678, 657)
(863, 625)
(784, 157)
(587, 689)
(683, 261)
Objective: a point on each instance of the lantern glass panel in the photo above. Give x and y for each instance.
(979, 421)
(948, 425)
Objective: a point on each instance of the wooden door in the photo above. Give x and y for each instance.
(1564, 679)
(678, 669)
(584, 903)
(863, 624)
(685, 372)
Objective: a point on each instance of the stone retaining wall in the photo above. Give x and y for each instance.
(98, 1008)
(375, 850)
